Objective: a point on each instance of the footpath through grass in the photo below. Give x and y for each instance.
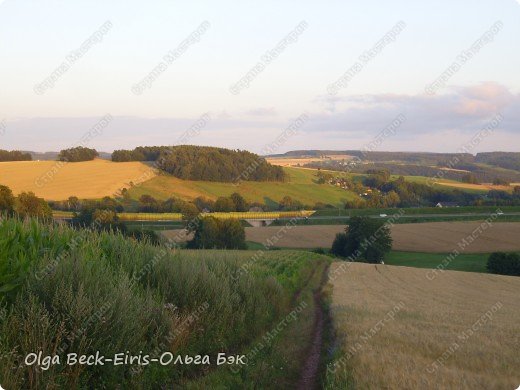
(64, 291)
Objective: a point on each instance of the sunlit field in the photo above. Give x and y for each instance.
(399, 327)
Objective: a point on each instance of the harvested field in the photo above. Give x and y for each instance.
(397, 329)
(434, 237)
(443, 237)
(290, 162)
(54, 180)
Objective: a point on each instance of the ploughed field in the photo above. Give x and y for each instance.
(434, 237)
(400, 327)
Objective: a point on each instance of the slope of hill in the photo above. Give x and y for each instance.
(54, 180)
(300, 185)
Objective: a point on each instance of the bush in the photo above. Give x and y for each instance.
(365, 239)
(29, 205)
(213, 233)
(77, 154)
(504, 263)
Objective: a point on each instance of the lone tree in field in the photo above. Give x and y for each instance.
(77, 154)
(6, 200)
(365, 239)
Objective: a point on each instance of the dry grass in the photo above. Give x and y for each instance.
(434, 237)
(54, 180)
(482, 187)
(290, 162)
(420, 345)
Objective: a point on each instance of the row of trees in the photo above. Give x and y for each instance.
(14, 155)
(27, 204)
(77, 154)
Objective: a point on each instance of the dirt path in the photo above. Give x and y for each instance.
(310, 371)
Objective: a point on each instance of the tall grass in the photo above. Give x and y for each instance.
(79, 291)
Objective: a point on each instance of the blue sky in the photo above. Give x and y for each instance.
(37, 36)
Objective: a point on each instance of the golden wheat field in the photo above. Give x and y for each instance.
(397, 329)
(54, 180)
(433, 237)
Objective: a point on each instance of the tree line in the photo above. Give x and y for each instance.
(206, 163)
(14, 155)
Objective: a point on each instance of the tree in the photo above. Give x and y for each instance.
(6, 199)
(470, 178)
(73, 203)
(365, 239)
(224, 205)
(500, 182)
(77, 154)
(289, 204)
(213, 233)
(239, 202)
(148, 204)
(29, 205)
(504, 263)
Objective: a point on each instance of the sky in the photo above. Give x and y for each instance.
(263, 76)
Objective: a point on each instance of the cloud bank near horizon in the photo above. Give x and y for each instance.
(438, 123)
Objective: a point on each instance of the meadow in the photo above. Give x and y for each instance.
(301, 185)
(396, 328)
(82, 292)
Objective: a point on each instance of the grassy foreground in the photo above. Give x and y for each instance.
(68, 291)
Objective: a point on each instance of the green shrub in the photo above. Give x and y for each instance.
(504, 263)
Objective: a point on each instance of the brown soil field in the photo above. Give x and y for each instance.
(55, 180)
(434, 237)
(397, 329)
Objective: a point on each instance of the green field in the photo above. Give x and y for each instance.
(463, 262)
(300, 186)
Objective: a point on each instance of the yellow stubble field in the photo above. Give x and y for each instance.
(54, 180)
(397, 329)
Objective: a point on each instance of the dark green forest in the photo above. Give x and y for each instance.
(14, 155)
(205, 163)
